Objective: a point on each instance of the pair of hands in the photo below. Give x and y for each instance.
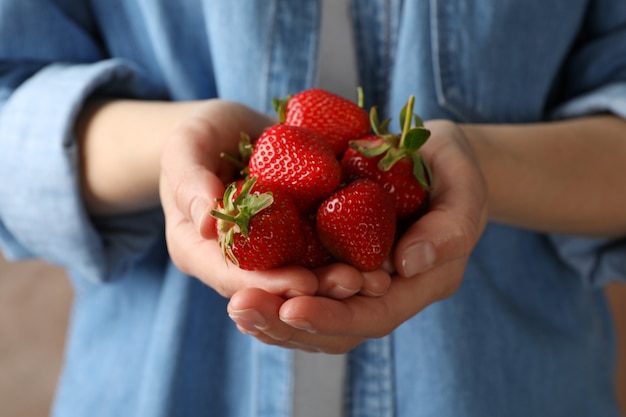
(331, 309)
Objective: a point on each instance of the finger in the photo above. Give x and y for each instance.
(368, 317)
(314, 343)
(256, 313)
(375, 283)
(193, 171)
(264, 338)
(340, 281)
(187, 183)
(203, 259)
(456, 216)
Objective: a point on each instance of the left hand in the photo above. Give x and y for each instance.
(430, 259)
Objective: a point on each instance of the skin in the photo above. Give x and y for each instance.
(550, 177)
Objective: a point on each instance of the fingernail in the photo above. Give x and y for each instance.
(376, 285)
(418, 258)
(252, 331)
(338, 292)
(199, 209)
(293, 293)
(299, 324)
(388, 266)
(250, 317)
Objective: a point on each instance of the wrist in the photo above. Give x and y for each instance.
(120, 144)
(483, 151)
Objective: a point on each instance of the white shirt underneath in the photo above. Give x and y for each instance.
(319, 379)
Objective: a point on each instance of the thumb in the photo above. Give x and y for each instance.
(188, 186)
(458, 209)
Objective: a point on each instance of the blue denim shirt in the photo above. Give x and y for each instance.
(527, 334)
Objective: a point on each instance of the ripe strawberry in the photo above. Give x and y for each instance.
(399, 180)
(316, 254)
(357, 224)
(296, 161)
(258, 229)
(337, 119)
(393, 161)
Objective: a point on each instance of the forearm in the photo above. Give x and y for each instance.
(120, 145)
(564, 177)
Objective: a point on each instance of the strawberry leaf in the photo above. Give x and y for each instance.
(384, 126)
(417, 121)
(238, 211)
(227, 247)
(370, 148)
(375, 121)
(392, 156)
(379, 128)
(415, 138)
(421, 171)
(280, 106)
(229, 200)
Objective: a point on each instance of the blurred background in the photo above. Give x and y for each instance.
(35, 301)
(34, 308)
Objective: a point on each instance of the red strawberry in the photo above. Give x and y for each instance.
(258, 229)
(393, 161)
(297, 161)
(357, 224)
(399, 181)
(337, 119)
(316, 254)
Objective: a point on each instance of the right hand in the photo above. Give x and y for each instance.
(430, 260)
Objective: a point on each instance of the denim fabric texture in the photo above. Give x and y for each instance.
(528, 332)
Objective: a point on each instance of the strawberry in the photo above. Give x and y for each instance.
(409, 195)
(296, 161)
(316, 254)
(393, 161)
(258, 229)
(357, 224)
(337, 119)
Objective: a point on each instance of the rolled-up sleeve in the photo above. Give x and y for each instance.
(595, 83)
(42, 89)
(594, 75)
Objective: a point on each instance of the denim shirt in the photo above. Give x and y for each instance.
(528, 332)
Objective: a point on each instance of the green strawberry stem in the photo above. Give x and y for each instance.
(232, 159)
(412, 138)
(396, 147)
(237, 212)
(360, 97)
(405, 120)
(245, 147)
(240, 162)
(280, 107)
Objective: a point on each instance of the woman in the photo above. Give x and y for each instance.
(107, 111)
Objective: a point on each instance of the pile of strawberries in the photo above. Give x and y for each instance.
(328, 183)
